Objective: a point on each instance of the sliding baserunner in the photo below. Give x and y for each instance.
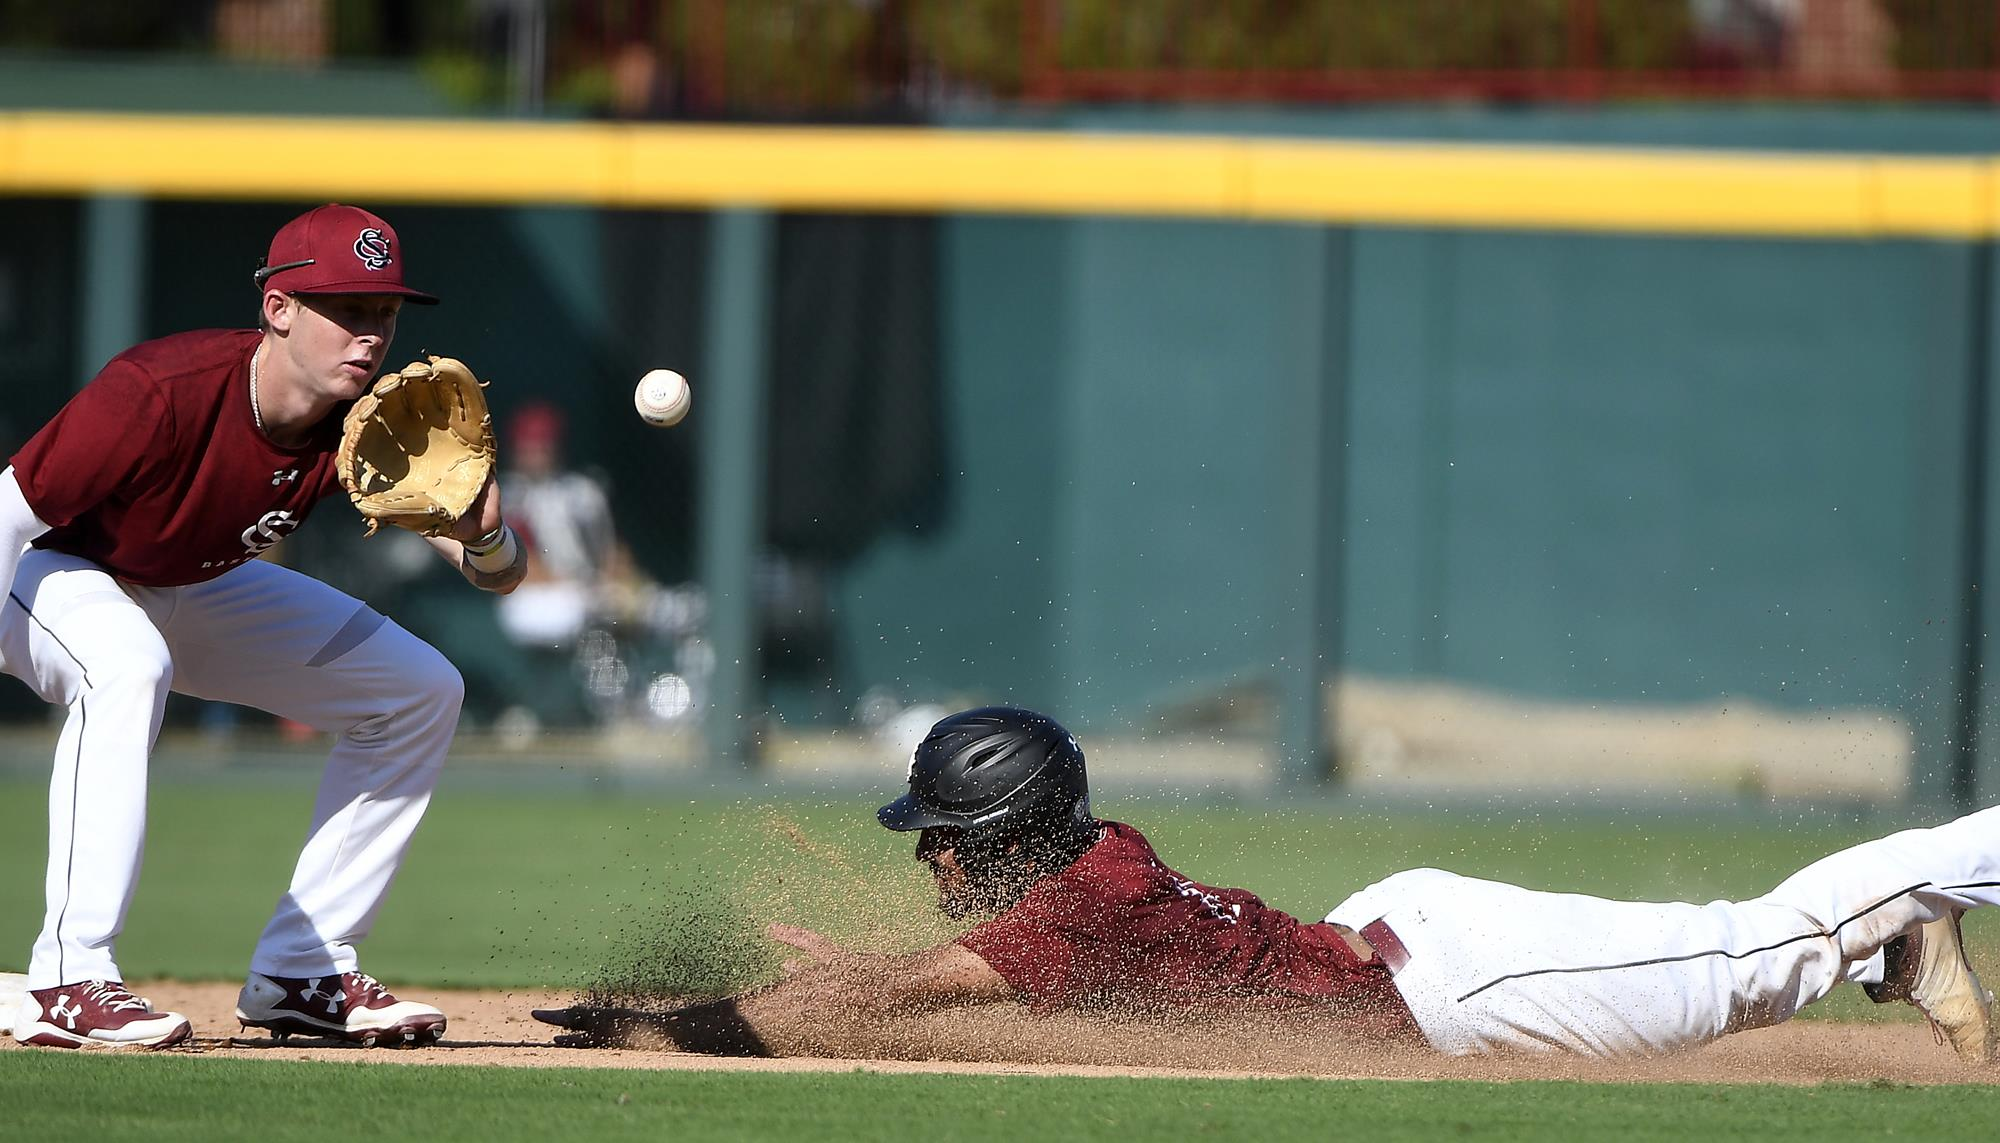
(1081, 913)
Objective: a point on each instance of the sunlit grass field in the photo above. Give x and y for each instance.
(571, 885)
(549, 886)
(177, 1098)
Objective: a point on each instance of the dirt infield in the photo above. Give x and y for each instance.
(494, 1029)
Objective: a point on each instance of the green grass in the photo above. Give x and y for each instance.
(557, 888)
(58, 1095)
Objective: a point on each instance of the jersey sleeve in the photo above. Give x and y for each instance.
(100, 441)
(1031, 954)
(1063, 942)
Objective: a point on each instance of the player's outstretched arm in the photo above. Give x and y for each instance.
(879, 984)
(830, 1000)
(715, 1029)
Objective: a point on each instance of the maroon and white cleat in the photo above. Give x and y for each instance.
(349, 1006)
(95, 1014)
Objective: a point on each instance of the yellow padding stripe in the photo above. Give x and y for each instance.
(936, 170)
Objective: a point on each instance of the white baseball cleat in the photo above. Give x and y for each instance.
(95, 1014)
(349, 1006)
(1928, 968)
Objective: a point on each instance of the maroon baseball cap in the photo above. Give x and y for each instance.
(337, 249)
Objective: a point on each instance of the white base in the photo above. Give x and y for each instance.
(13, 986)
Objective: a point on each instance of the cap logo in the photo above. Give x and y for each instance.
(373, 249)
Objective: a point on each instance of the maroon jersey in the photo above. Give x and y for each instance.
(157, 472)
(1119, 926)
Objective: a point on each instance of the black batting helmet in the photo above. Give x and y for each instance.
(996, 769)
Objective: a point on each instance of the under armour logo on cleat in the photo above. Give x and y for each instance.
(66, 1014)
(311, 993)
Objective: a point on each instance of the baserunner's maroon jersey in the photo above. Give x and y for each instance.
(156, 471)
(1118, 926)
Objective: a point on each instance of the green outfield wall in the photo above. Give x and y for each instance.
(1612, 468)
(1735, 451)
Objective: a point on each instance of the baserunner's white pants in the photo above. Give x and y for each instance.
(260, 635)
(1494, 967)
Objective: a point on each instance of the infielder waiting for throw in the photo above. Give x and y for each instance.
(147, 500)
(1084, 914)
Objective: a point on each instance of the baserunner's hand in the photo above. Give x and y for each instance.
(590, 1026)
(817, 949)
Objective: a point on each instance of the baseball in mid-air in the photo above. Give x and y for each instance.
(662, 397)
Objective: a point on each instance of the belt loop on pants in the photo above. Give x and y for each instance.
(1386, 944)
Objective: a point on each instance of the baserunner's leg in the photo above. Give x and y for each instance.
(1867, 895)
(1493, 966)
(1898, 900)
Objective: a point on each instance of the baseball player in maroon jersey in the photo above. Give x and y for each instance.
(1082, 913)
(129, 531)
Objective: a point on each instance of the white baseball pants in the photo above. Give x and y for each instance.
(1495, 967)
(260, 635)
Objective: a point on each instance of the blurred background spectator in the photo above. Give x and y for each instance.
(581, 579)
(576, 562)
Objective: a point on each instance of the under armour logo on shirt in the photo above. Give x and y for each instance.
(280, 475)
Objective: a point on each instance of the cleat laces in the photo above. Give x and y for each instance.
(115, 996)
(370, 990)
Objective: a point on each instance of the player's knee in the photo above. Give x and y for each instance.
(144, 666)
(436, 682)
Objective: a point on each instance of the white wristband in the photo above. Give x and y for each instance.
(500, 557)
